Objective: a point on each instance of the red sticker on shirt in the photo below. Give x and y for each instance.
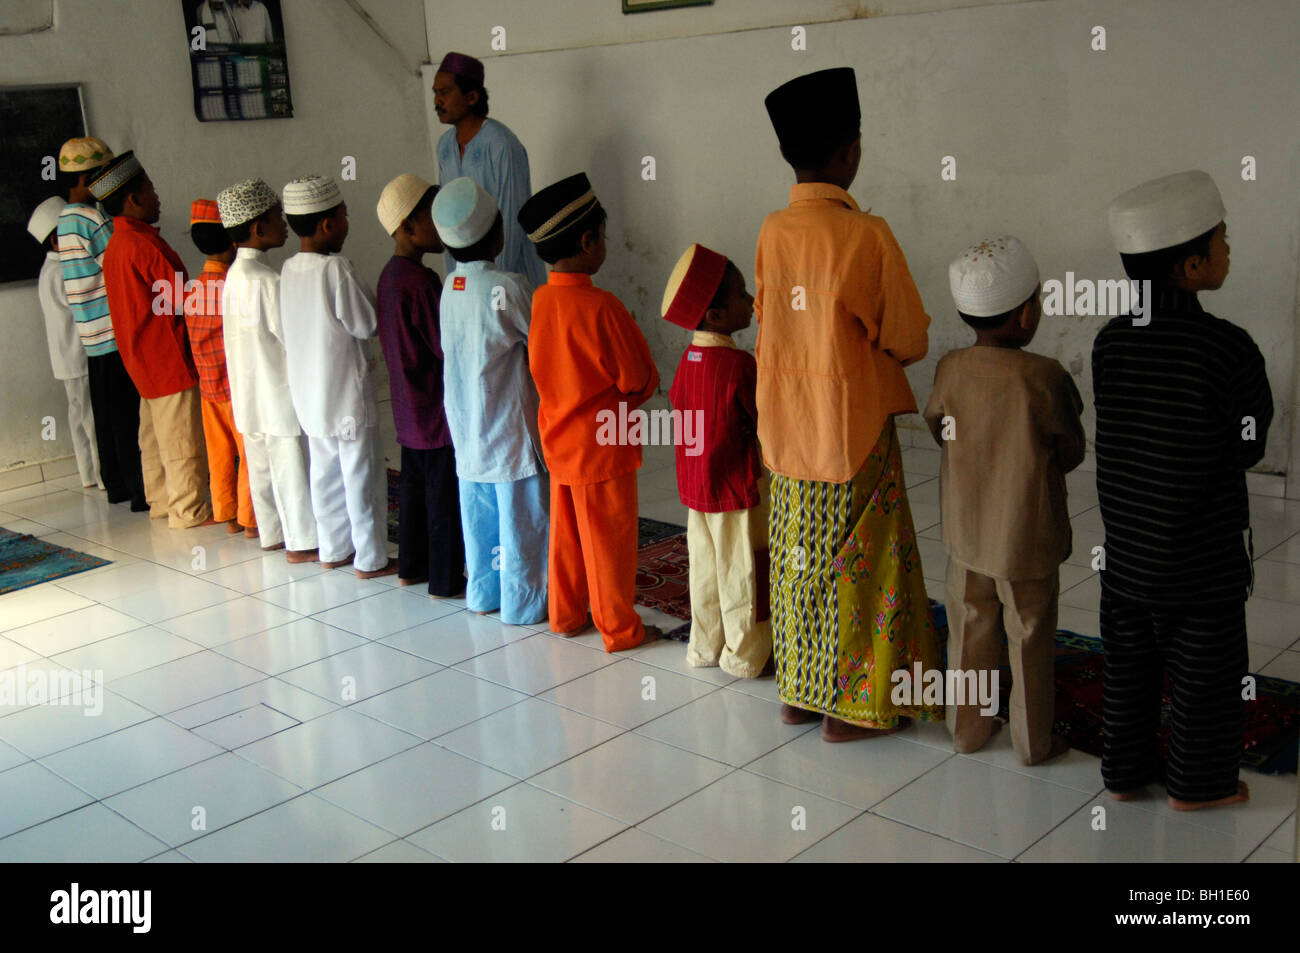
(458, 283)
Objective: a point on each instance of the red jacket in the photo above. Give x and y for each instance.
(155, 347)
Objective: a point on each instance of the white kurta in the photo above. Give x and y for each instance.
(263, 408)
(255, 352)
(326, 312)
(67, 356)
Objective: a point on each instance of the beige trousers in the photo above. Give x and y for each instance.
(174, 459)
(730, 623)
(980, 609)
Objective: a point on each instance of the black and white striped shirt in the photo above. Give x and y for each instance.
(1171, 459)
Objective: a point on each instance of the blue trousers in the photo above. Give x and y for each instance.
(506, 528)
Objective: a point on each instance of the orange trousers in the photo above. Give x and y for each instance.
(593, 559)
(227, 470)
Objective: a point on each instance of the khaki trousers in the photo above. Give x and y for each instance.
(730, 623)
(980, 610)
(173, 459)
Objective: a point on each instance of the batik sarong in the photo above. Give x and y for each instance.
(849, 606)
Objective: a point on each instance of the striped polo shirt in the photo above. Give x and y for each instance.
(1171, 457)
(83, 235)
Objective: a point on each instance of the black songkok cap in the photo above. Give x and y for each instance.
(816, 109)
(557, 207)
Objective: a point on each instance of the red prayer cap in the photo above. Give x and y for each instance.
(695, 280)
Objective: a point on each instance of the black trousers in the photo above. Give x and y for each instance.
(1204, 650)
(429, 540)
(116, 405)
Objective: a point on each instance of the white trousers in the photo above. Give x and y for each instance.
(348, 492)
(81, 428)
(281, 490)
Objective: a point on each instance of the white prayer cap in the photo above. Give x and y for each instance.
(463, 212)
(992, 276)
(399, 199)
(1165, 212)
(311, 193)
(45, 218)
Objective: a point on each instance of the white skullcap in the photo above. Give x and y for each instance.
(399, 199)
(311, 193)
(992, 277)
(1165, 212)
(463, 212)
(45, 218)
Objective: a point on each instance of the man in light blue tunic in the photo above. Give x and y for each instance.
(486, 151)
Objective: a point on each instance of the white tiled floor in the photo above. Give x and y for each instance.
(254, 710)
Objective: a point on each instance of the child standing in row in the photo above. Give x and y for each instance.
(492, 408)
(429, 545)
(839, 317)
(726, 530)
(227, 466)
(150, 331)
(1183, 410)
(588, 358)
(67, 356)
(1008, 424)
(328, 313)
(258, 371)
(82, 238)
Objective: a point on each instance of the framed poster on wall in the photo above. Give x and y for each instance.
(237, 59)
(639, 6)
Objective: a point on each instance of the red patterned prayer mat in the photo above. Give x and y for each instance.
(1272, 729)
(662, 578)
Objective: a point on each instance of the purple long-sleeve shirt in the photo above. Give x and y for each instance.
(407, 305)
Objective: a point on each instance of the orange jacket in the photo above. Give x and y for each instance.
(587, 356)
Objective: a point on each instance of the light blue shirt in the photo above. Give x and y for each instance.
(497, 161)
(488, 392)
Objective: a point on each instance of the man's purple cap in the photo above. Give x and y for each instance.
(458, 64)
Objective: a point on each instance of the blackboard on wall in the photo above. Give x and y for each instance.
(35, 121)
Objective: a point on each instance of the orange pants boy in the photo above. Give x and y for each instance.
(227, 471)
(593, 559)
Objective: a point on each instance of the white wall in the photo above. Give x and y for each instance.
(350, 97)
(1045, 132)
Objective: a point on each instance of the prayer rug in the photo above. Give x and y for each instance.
(27, 561)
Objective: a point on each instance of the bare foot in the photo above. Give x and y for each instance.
(388, 569)
(271, 549)
(586, 626)
(250, 532)
(335, 564)
(301, 555)
(207, 522)
(797, 716)
(1243, 794)
(233, 527)
(1124, 795)
(412, 582)
(834, 730)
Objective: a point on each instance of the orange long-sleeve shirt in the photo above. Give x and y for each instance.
(587, 356)
(839, 317)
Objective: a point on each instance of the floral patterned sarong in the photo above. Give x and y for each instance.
(849, 606)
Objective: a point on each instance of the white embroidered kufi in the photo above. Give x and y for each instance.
(992, 276)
